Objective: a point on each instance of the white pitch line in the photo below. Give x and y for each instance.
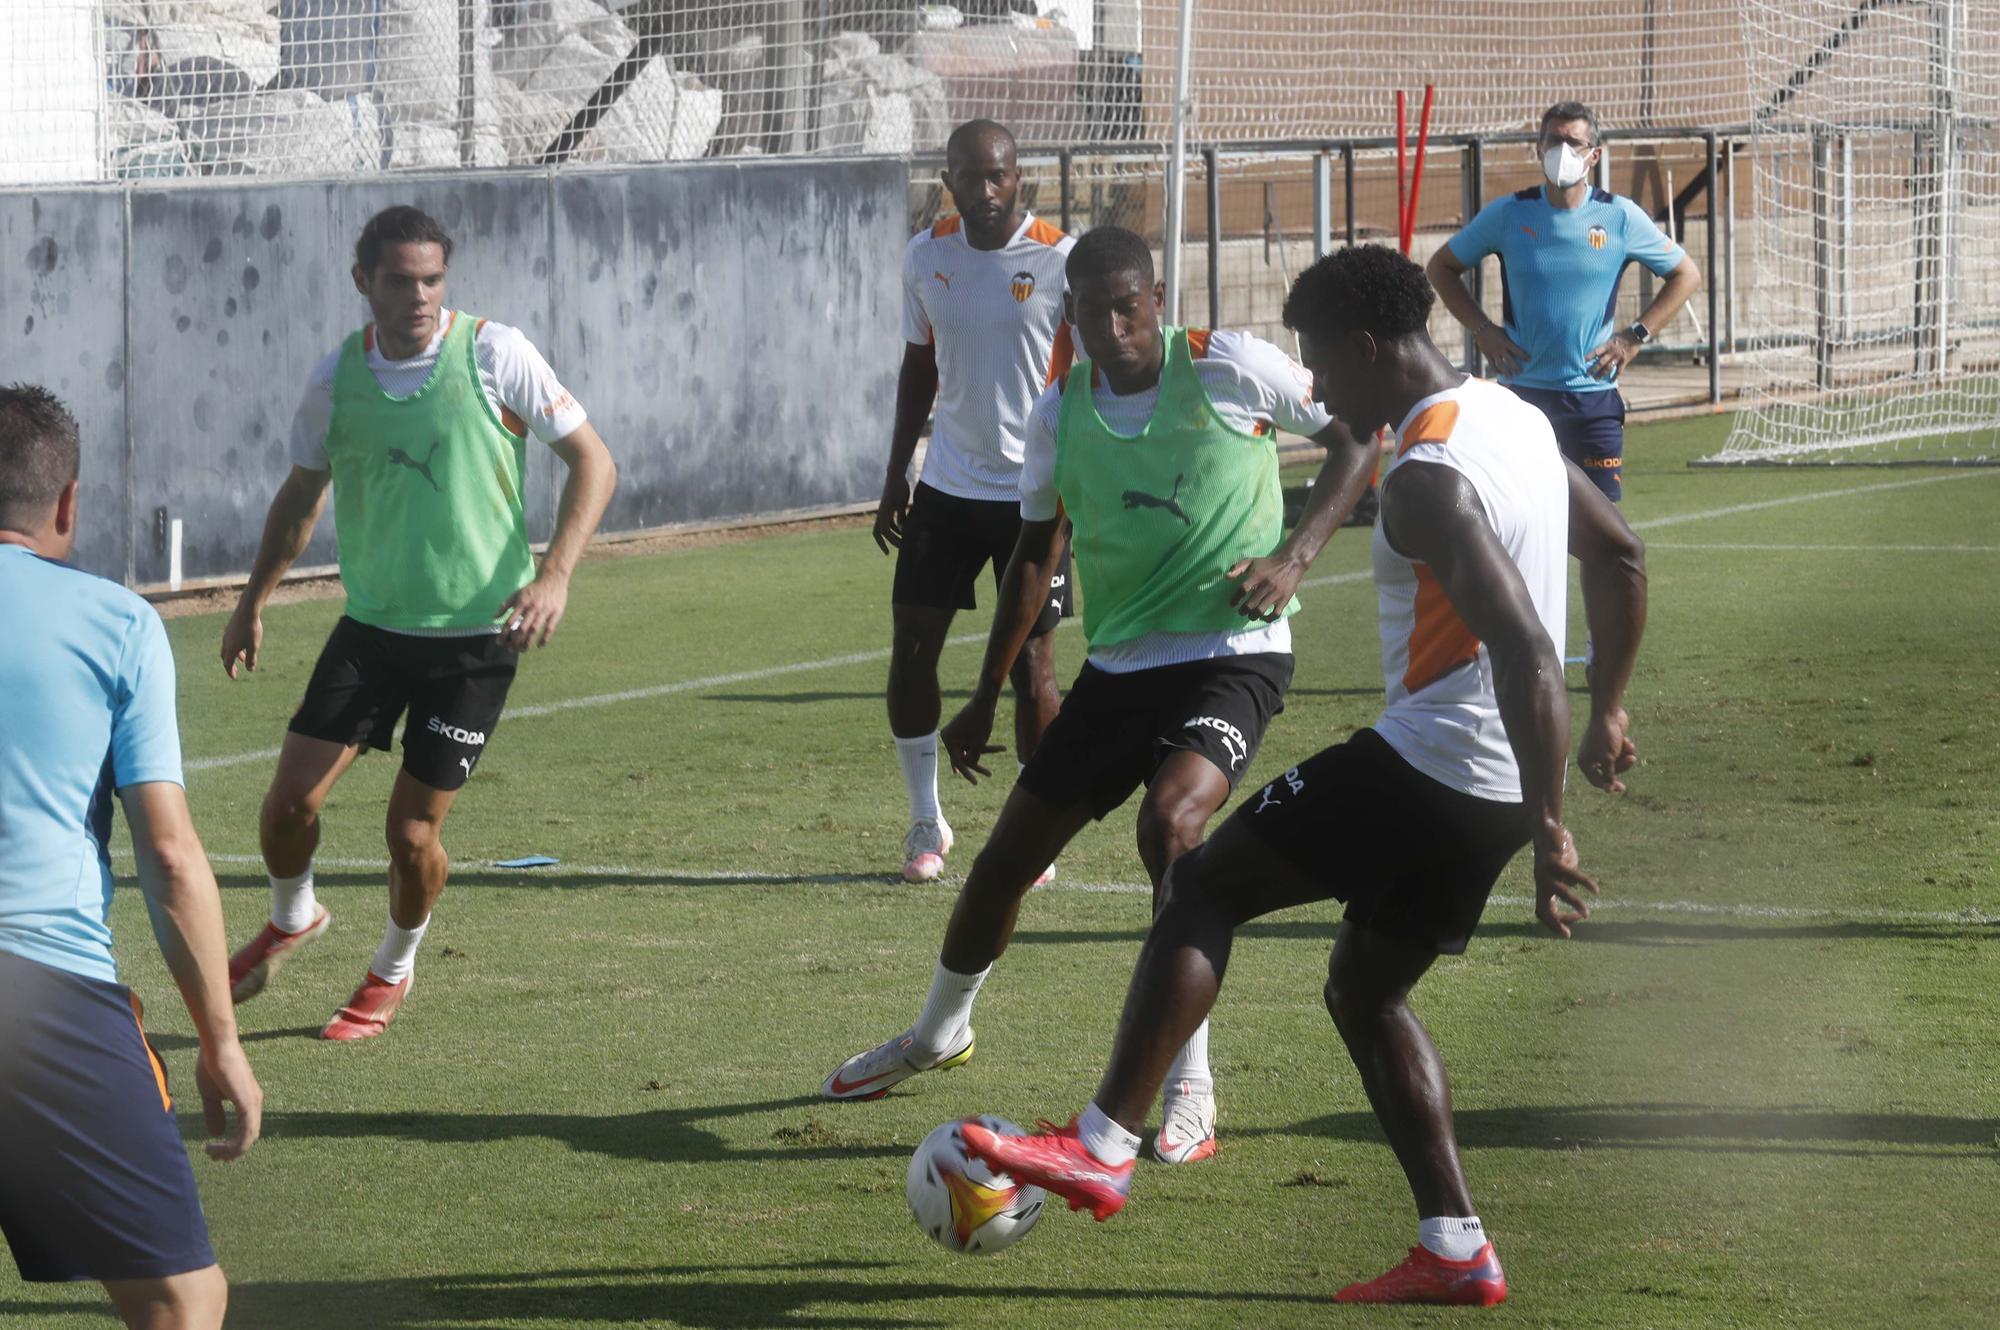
(1652, 545)
(881, 654)
(615, 872)
(1760, 505)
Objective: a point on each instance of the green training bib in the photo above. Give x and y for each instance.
(1160, 517)
(426, 494)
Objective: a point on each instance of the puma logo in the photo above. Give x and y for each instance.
(942, 278)
(1141, 499)
(1531, 232)
(423, 468)
(466, 762)
(1269, 792)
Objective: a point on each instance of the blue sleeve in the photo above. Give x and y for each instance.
(1480, 236)
(1646, 243)
(145, 734)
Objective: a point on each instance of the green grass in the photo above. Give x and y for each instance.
(1759, 1089)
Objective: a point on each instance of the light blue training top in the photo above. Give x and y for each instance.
(86, 709)
(1559, 274)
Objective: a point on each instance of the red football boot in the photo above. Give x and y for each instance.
(259, 958)
(370, 1010)
(1054, 1159)
(1428, 1277)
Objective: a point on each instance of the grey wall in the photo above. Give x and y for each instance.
(730, 328)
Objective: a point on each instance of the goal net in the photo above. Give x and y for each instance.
(1876, 188)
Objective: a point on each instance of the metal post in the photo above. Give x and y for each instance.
(1951, 17)
(1063, 164)
(1347, 167)
(1322, 205)
(1714, 327)
(468, 37)
(1731, 166)
(1844, 314)
(1822, 269)
(1177, 166)
(1214, 237)
(1468, 208)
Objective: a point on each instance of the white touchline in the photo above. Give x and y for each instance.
(963, 639)
(702, 876)
(1652, 545)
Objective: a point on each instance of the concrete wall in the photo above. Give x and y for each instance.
(729, 327)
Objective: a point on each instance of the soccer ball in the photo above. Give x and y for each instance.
(961, 1203)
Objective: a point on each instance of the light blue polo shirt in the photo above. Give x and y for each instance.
(1559, 274)
(86, 709)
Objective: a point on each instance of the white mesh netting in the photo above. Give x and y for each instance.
(104, 89)
(1877, 316)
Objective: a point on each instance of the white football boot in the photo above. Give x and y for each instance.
(870, 1075)
(1187, 1125)
(924, 849)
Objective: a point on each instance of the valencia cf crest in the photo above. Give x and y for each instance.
(1597, 237)
(1024, 286)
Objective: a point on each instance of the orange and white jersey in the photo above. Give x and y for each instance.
(996, 320)
(1443, 716)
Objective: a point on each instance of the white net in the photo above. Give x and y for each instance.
(1877, 183)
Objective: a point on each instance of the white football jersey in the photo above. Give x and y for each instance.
(996, 320)
(1443, 716)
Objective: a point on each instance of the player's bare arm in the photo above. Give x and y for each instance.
(1447, 276)
(1433, 514)
(1613, 561)
(1618, 349)
(1265, 586)
(294, 511)
(534, 611)
(1023, 592)
(916, 390)
(186, 910)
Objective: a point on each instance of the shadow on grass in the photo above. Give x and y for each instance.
(716, 1297)
(1796, 1129)
(1662, 932)
(554, 878)
(667, 1135)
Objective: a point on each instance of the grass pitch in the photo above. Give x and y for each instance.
(1759, 1089)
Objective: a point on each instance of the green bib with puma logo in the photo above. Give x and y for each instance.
(426, 493)
(1163, 515)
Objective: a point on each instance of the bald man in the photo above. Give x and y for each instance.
(984, 334)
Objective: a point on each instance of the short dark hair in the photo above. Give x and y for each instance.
(400, 225)
(1105, 250)
(1564, 112)
(39, 454)
(974, 131)
(1370, 288)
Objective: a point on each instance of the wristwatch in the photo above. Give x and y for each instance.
(1639, 333)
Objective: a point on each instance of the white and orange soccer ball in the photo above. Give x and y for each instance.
(961, 1203)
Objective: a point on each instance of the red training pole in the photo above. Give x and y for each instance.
(1417, 172)
(1402, 166)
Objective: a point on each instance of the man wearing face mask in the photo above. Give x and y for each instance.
(1563, 246)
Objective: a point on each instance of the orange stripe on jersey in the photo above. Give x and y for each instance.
(1042, 233)
(159, 1067)
(947, 226)
(1439, 640)
(1433, 424)
(1061, 356)
(1198, 343)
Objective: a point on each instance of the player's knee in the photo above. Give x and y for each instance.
(287, 808)
(1169, 828)
(1000, 871)
(411, 838)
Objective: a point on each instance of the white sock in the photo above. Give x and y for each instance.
(1191, 1064)
(1107, 1142)
(293, 904)
(1451, 1237)
(918, 758)
(396, 958)
(948, 1009)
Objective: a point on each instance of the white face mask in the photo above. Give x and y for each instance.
(1564, 165)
